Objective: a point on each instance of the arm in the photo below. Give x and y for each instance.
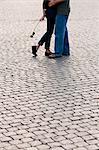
(54, 2)
(44, 9)
(45, 4)
(44, 14)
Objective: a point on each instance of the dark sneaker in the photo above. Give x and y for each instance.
(34, 50)
(47, 53)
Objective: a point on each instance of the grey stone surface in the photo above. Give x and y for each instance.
(48, 104)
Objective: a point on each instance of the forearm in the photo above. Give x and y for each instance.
(45, 2)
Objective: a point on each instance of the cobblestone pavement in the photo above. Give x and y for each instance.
(48, 104)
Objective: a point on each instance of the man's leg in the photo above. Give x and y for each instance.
(60, 30)
(61, 36)
(66, 50)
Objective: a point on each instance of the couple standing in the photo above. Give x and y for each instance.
(56, 12)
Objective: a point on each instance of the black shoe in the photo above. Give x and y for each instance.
(48, 53)
(34, 50)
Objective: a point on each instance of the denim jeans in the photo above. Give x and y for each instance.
(61, 36)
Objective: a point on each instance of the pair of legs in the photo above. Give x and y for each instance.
(61, 37)
(46, 38)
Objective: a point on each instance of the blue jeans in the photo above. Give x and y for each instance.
(61, 36)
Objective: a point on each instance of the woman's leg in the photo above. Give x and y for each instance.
(50, 28)
(42, 40)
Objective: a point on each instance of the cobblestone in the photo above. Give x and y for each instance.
(48, 104)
